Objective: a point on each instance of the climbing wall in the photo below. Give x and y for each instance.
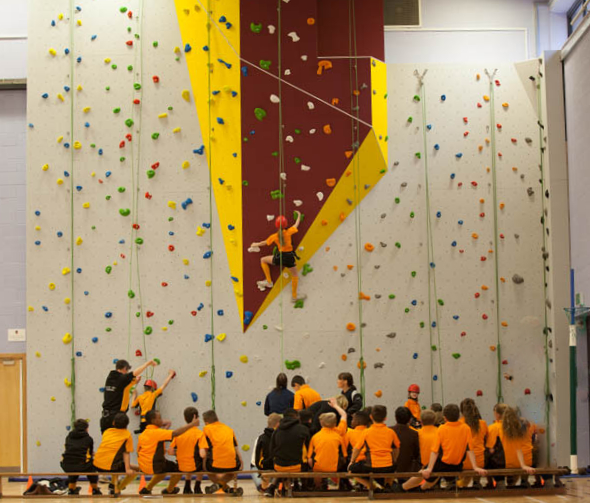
(157, 156)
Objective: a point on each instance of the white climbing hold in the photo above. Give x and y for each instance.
(283, 176)
(321, 365)
(274, 98)
(294, 36)
(290, 139)
(270, 218)
(298, 202)
(287, 72)
(310, 105)
(304, 57)
(312, 131)
(271, 29)
(305, 168)
(279, 328)
(320, 196)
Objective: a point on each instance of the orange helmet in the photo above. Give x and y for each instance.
(281, 222)
(414, 388)
(152, 384)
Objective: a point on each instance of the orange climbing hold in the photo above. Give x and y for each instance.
(348, 173)
(350, 267)
(492, 348)
(484, 287)
(364, 364)
(378, 393)
(348, 154)
(480, 148)
(324, 222)
(351, 327)
(515, 169)
(475, 235)
(330, 182)
(327, 248)
(482, 200)
(327, 129)
(363, 296)
(502, 206)
(504, 324)
(344, 358)
(369, 247)
(342, 217)
(335, 267)
(335, 101)
(324, 64)
(356, 92)
(310, 21)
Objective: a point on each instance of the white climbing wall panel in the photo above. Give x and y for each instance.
(169, 288)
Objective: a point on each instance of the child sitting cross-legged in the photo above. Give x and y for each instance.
(327, 447)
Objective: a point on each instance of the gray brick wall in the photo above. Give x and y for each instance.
(13, 124)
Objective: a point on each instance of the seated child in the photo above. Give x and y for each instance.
(323, 407)
(408, 459)
(147, 400)
(438, 414)
(479, 430)
(150, 452)
(413, 405)
(494, 454)
(113, 453)
(360, 422)
(515, 442)
(219, 448)
(263, 459)
(453, 441)
(381, 446)
(427, 435)
(77, 457)
(306, 419)
(326, 449)
(186, 449)
(304, 395)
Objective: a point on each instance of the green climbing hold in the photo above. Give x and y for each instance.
(265, 64)
(391, 296)
(137, 314)
(260, 113)
(306, 269)
(410, 120)
(276, 194)
(416, 97)
(245, 183)
(456, 356)
(297, 131)
(170, 219)
(421, 324)
(121, 189)
(150, 173)
(108, 88)
(275, 154)
(123, 10)
(148, 331)
(155, 43)
(116, 110)
(157, 360)
(93, 227)
(124, 212)
(433, 347)
(129, 122)
(264, 327)
(170, 109)
(292, 364)
(139, 241)
(131, 294)
(170, 322)
(298, 304)
(441, 302)
(137, 85)
(108, 198)
(398, 245)
(155, 136)
(413, 274)
(407, 309)
(412, 214)
(256, 28)
(114, 67)
(121, 159)
(397, 200)
(108, 329)
(297, 160)
(108, 269)
(93, 145)
(387, 138)
(418, 155)
(130, 68)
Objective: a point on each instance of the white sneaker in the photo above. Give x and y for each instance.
(300, 296)
(263, 285)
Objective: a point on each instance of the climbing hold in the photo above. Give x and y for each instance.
(256, 28)
(378, 393)
(125, 212)
(527, 391)
(221, 337)
(369, 247)
(260, 113)
(265, 64)
(516, 278)
(186, 95)
(351, 327)
(194, 397)
(456, 356)
(67, 338)
(148, 330)
(229, 374)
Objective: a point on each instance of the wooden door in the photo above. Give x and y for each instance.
(12, 405)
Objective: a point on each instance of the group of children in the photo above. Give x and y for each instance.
(315, 435)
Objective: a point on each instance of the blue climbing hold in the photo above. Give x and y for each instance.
(188, 201)
(194, 397)
(227, 65)
(86, 293)
(245, 71)
(438, 214)
(79, 59)
(208, 337)
(67, 89)
(37, 212)
(102, 390)
(460, 222)
(201, 306)
(414, 302)
(415, 356)
(437, 147)
(186, 276)
(234, 279)
(108, 314)
(66, 145)
(37, 243)
(170, 233)
(220, 312)
(222, 19)
(435, 377)
(207, 254)
(95, 340)
(199, 150)
(228, 25)
(107, 174)
(429, 127)
(221, 181)
(220, 121)
(66, 50)
(93, 37)
(45, 96)
(234, 94)
(121, 241)
(78, 188)
(53, 22)
(45, 308)
(432, 265)
(443, 97)
(66, 174)
(248, 315)
(100, 151)
(60, 234)
(259, 404)
(452, 176)
(455, 317)
(454, 243)
(206, 225)
(215, 93)
(78, 353)
(230, 227)
(205, 48)
(229, 374)
(79, 270)
(459, 155)
(434, 324)
(188, 48)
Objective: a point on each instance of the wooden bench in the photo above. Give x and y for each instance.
(289, 477)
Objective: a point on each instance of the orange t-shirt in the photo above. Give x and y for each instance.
(379, 442)
(187, 450)
(151, 449)
(414, 407)
(351, 439)
(454, 439)
(477, 444)
(146, 402)
(494, 430)
(427, 435)
(305, 397)
(525, 444)
(287, 242)
(326, 448)
(221, 442)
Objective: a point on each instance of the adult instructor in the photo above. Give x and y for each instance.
(353, 396)
(116, 390)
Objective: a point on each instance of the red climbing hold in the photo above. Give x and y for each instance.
(479, 393)
(149, 314)
(148, 195)
(501, 236)
(130, 14)
(129, 43)
(497, 83)
(483, 259)
(164, 284)
(513, 140)
(482, 214)
(504, 362)
(527, 391)
(499, 126)
(128, 136)
(477, 295)
(474, 184)
(122, 144)
(156, 79)
(138, 353)
(194, 313)
(466, 134)
(136, 226)
(460, 184)
(171, 247)
(465, 120)
(156, 165)
(484, 316)
(136, 101)
(479, 105)
(463, 334)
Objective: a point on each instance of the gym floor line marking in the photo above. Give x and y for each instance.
(479, 499)
(534, 499)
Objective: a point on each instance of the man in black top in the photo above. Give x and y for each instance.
(116, 391)
(323, 407)
(355, 399)
(408, 459)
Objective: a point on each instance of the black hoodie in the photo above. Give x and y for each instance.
(288, 445)
(78, 450)
(263, 459)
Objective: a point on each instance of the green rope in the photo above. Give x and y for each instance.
(210, 161)
(545, 295)
(430, 248)
(355, 138)
(499, 394)
(72, 243)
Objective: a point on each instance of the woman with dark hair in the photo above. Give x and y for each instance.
(280, 398)
(355, 399)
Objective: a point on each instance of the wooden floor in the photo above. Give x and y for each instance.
(578, 491)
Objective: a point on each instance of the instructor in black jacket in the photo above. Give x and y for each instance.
(355, 399)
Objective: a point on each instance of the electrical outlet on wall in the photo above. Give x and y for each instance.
(16, 335)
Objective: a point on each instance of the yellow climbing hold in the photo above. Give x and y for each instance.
(221, 337)
(67, 300)
(53, 400)
(67, 338)
(67, 382)
(37, 354)
(37, 228)
(60, 16)
(86, 110)
(177, 49)
(245, 447)
(176, 130)
(163, 116)
(186, 165)
(208, 282)
(38, 443)
(79, 88)
(52, 286)
(172, 204)
(186, 94)
(86, 205)
(107, 60)
(244, 359)
(66, 270)
(52, 51)
(200, 231)
(60, 97)
(45, 167)
(79, 241)
(164, 329)
(60, 139)
(202, 373)
(77, 145)
(79, 22)
(244, 403)
(185, 261)
(93, 174)
(486, 98)
(60, 181)
(30, 309)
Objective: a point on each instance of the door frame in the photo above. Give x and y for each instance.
(23, 359)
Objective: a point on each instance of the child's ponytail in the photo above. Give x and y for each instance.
(513, 428)
(471, 414)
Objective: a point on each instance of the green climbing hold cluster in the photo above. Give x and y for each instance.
(292, 364)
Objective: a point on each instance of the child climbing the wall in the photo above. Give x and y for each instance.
(479, 429)
(219, 448)
(305, 396)
(413, 405)
(147, 400)
(283, 256)
(186, 449)
(77, 457)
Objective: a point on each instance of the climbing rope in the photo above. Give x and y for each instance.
(72, 241)
(499, 394)
(547, 387)
(431, 261)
